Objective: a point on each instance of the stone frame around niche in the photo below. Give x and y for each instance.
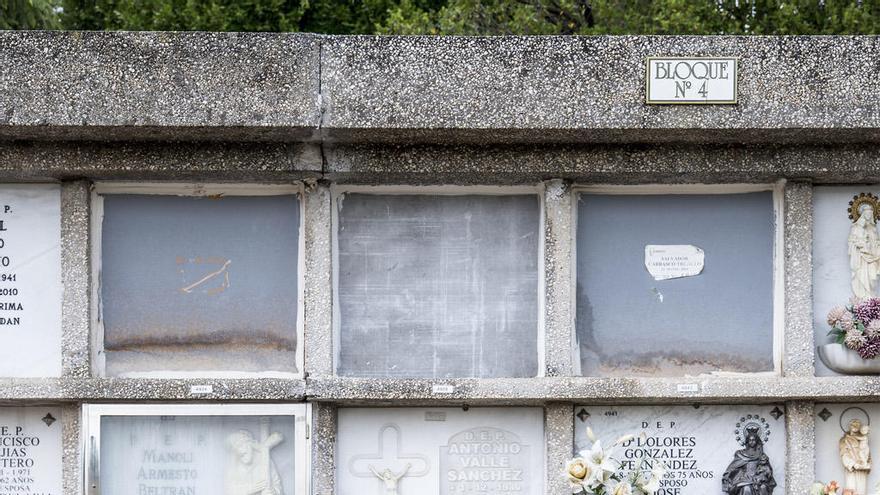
(194, 189)
(92, 415)
(777, 189)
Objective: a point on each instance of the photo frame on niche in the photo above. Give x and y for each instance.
(195, 280)
(230, 449)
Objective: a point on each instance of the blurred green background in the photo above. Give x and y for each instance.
(465, 17)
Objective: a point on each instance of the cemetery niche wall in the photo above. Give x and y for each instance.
(220, 268)
(438, 286)
(699, 266)
(290, 264)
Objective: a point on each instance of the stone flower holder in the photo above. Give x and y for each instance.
(842, 359)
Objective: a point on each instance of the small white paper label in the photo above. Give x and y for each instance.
(201, 389)
(443, 389)
(688, 388)
(669, 261)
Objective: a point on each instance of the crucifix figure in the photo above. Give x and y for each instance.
(389, 457)
(390, 479)
(253, 472)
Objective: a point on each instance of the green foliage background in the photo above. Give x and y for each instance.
(464, 17)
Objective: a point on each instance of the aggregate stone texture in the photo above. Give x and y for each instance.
(120, 85)
(553, 88)
(799, 343)
(71, 443)
(393, 89)
(608, 164)
(318, 281)
(75, 276)
(558, 259)
(323, 449)
(801, 447)
(559, 435)
(167, 161)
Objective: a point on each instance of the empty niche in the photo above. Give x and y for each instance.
(433, 286)
(195, 284)
(675, 284)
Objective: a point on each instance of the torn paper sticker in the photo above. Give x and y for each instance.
(667, 261)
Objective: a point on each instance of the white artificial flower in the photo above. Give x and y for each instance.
(601, 460)
(622, 487)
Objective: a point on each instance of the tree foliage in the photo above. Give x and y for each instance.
(28, 14)
(463, 17)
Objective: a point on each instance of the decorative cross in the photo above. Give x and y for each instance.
(389, 456)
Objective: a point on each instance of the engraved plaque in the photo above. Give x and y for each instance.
(30, 280)
(30, 451)
(441, 451)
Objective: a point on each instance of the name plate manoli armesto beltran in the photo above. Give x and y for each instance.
(691, 80)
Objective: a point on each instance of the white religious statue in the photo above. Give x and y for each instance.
(864, 244)
(856, 458)
(253, 472)
(390, 479)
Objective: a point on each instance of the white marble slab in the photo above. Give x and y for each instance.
(192, 455)
(30, 280)
(696, 444)
(441, 451)
(30, 451)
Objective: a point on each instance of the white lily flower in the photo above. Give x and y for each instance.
(590, 435)
(622, 487)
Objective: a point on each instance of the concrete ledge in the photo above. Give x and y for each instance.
(592, 89)
(412, 392)
(113, 85)
(447, 90)
(30, 161)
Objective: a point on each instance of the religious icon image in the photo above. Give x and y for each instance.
(253, 471)
(855, 454)
(864, 244)
(750, 472)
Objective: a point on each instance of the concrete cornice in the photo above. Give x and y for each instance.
(463, 90)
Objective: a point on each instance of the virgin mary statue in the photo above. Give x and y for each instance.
(864, 246)
(750, 472)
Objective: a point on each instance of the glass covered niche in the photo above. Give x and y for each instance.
(199, 283)
(434, 286)
(192, 449)
(675, 284)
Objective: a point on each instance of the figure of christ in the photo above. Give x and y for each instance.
(390, 479)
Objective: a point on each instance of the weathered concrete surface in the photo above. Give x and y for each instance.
(592, 89)
(476, 90)
(106, 85)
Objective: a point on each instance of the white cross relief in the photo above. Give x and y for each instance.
(389, 457)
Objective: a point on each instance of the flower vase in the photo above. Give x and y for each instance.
(844, 360)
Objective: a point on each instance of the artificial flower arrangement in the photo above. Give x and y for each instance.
(596, 471)
(820, 488)
(857, 326)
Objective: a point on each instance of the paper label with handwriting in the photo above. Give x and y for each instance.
(668, 261)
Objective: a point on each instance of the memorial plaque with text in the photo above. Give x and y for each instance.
(705, 449)
(193, 455)
(30, 451)
(30, 280)
(440, 451)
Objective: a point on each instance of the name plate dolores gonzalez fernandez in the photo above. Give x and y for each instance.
(691, 80)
